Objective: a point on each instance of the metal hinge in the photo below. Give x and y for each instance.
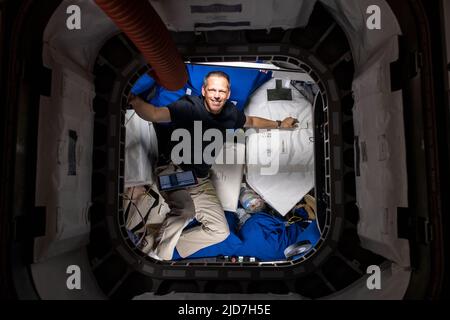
(424, 231)
(418, 61)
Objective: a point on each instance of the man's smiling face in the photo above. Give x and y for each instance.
(216, 93)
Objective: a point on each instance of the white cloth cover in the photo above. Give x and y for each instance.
(141, 150)
(280, 163)
(382, 183)
(64, 161)
(227, 178)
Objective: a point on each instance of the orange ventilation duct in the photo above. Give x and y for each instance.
(142, 24)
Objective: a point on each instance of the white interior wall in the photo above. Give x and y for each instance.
(260, 14)
(77, 49)
(352, 17)
(51, 277)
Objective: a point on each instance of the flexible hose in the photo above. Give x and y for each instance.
(143, 26)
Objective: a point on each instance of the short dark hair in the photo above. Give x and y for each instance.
(217, 74)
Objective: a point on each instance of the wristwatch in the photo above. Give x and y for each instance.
(278, 124)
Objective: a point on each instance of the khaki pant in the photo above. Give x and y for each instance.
(199, 202)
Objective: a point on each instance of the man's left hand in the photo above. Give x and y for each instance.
(289, 123)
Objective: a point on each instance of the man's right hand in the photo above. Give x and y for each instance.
(133, 100)
(148, 111)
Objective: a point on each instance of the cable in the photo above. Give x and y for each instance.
(146, 193)
(125, 196)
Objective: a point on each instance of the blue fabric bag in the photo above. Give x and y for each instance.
(263, 236)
